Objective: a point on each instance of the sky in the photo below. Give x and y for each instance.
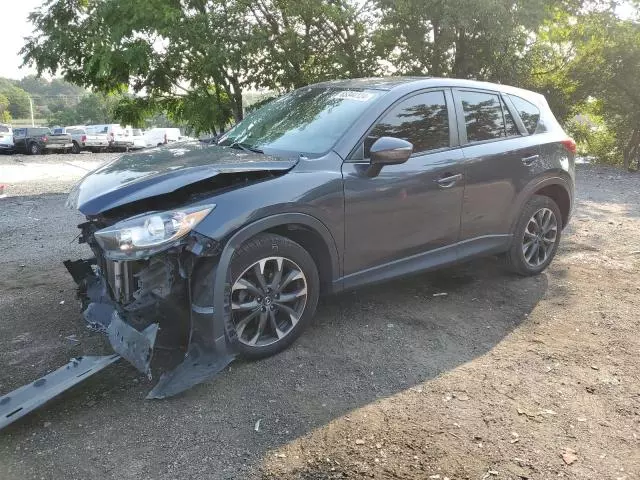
(13, 29)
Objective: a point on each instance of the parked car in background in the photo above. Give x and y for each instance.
(330, 187)
(6, 139)
(119, 137)
(36, 140)
(161, 136)
(93, 141)
(83, 138)
(139, 142)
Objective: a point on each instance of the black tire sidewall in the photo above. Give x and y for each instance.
(261, 246)
(75, 148)
(515, 256)
(34, 148)
(272, 245)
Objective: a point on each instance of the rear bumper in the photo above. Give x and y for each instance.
(57, 146)
(95, 144)
(121, 144)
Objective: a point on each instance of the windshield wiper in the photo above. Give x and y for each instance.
(245, 147)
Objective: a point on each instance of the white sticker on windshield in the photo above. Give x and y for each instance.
(354, 95)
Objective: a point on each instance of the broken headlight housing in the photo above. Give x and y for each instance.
(143, 235)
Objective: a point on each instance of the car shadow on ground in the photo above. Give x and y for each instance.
(363, 346)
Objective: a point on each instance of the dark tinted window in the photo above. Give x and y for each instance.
(4, 129)
(529, 113)
(20, 132)
(421, 120)
(510, 125)
(38, 131)
(58, 131)
(482, 115)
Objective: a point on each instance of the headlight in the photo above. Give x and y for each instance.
(144, 235)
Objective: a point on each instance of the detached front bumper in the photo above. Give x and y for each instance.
(140, 304)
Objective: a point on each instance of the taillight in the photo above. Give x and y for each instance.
(570, 145)
(83, 138)
(44, 138)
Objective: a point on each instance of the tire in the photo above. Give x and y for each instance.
(35, 149)
(75, 148)
(255, 305)
(533, 255)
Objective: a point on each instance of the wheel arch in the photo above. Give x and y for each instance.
(302, 228)
(557, 188)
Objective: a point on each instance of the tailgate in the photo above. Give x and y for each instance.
(63, 139)
(92, 137)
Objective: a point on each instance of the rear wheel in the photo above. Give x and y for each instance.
(536, 237)
(34, 149)
(75, 148)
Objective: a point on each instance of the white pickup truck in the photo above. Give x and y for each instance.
(84, 138)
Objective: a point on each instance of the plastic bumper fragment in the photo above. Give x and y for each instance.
(132, 345)
(27, 398)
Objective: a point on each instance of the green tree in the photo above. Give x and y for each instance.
(483, 39)
(5, 115)
(607, 66)
(195, 57)
(298, 42)
(18, 99)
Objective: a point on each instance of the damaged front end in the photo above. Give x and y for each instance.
(151, 302)
(154, 281)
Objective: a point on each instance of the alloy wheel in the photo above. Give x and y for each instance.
(539, 237)
(267, 301)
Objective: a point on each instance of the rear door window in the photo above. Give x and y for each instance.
(20, 132)
(529, 113)
(4, 129)
(483, 115)
(422, 120)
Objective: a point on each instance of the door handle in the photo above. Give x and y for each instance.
(449, 181)
(530, 159)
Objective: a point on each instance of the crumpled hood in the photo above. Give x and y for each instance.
(159, 171)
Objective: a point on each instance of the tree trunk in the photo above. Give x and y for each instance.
(630, 152)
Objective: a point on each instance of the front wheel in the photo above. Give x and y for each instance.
(536, 237)
(274, 294)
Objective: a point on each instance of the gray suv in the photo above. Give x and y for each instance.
(226, 248)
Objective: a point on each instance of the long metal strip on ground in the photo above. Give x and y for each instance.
(16, 404)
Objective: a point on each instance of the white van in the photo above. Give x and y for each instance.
(119, 137)
(161, 136)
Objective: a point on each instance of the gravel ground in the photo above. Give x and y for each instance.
(502, 378)
(51, 173)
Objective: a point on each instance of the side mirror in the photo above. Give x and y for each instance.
(388, 151)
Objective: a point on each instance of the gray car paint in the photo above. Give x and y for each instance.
(394, 223)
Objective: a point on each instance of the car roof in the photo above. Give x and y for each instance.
(416, 82)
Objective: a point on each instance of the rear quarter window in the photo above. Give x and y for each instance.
(529, 113)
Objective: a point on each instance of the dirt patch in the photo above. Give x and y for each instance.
(502, 378)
